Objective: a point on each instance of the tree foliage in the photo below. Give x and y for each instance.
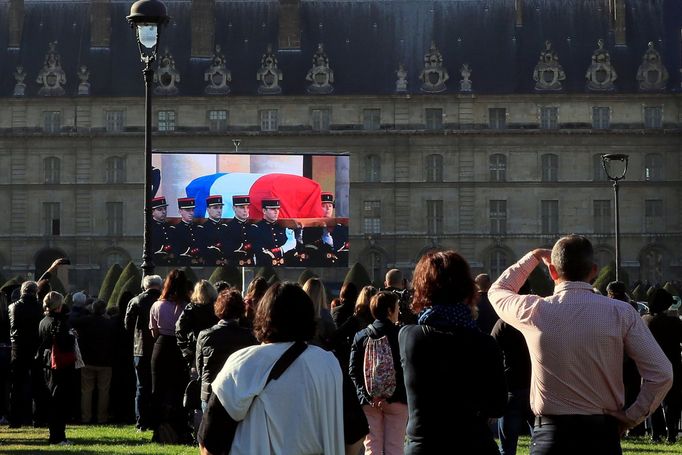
(358, 276)
(109, 282)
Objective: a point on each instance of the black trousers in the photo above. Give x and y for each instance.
(27, 387)
(576, 434)
(59, 383)
(169, 378)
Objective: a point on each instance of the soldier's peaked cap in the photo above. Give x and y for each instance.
(327, 197)
(186, 203)
(241, 200)
(214, 200)
(159, 202)
(270, 203)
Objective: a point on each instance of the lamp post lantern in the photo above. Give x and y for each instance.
(616, 166)
(147, 17)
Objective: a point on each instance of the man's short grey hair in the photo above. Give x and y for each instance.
(29, 287)
(152, 282)
(573, 257)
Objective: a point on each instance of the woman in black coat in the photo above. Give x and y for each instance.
(54, 332)
(454, 374)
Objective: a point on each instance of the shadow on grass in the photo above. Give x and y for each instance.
(32, 451)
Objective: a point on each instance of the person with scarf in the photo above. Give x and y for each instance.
(454, 374)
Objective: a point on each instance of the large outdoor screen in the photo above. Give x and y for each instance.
(250, 210)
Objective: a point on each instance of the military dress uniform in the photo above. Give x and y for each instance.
(186, 238)
(238, 238)
(161, 236)
(270, 239)
(212, 234)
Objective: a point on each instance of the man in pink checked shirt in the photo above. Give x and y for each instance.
(576, 340)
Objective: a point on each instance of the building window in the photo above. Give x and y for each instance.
(371, 218)
(498, 168)
(550, 167)
(113, 121)
(269, 120)
(320, 119)
(52, 121)
(434, 168)
(114, 218)
(549, 118)
(371, 119)
(116, 257)
(433, 119)
(653, 215)
(653, 167)
(166, 120)
(115, 170)
(499, 261)
(434, 217)
(51, 218)
(498, 217)
(497, 118)
(599, 173)
(373, 168)
(653, 117)
(602, 216)
(549, 215)
(52, 166)
(601, 118)
(376, 265)
(217, 121)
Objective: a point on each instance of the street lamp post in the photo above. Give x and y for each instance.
(616, 166)
(147, 17)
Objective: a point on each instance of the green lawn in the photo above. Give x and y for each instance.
(111, 440)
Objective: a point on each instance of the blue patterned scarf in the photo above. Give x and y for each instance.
(448, 316)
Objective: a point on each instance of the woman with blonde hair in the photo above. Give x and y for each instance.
(197, 316)
(325, 324)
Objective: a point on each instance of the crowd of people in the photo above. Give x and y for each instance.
(284, 368)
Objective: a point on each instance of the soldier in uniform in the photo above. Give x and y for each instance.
(161, 231)
(187, 235)
(213, 232)
(272, 241)
(239, 234)
(326, 245)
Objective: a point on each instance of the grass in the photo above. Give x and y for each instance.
(112, 440)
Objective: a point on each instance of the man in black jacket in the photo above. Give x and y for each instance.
(24, 318)
(137, 321)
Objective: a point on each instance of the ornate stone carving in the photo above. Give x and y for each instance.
(269, 74)
(51, 75)
(601, 74)
(83, 76)
(321, 75)
(20, 86)
(401, 82)
(465, 83)
(434, 75)
(548, 73)
(217, 75)
(652, 74)
(166, 76)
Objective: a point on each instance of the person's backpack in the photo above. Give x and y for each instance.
(378, 367)
(62, 354)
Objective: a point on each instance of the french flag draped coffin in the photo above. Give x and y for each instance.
(299, 197)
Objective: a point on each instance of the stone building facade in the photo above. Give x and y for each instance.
(453, 143)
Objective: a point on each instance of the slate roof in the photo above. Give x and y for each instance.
(364, 40)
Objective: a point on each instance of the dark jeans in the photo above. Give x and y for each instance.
(576, 434)
(143, 395)
(27, 383)
(60, 385)
(666, 418)
(516, 416)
